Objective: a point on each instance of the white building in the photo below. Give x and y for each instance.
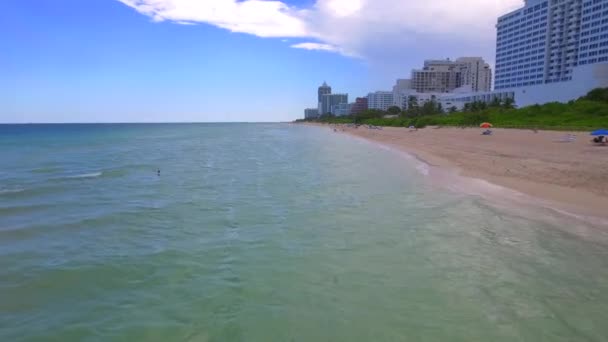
(402, 87)
(380, 100)
(593, 44)
(552, 50)
(311, 113)
(521, 42)
(475, 72)
(445, 76)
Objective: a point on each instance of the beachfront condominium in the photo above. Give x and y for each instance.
(380, 100)
(445, 76)
(437, 76)
(342, 109)
(324, 89)
(311, 113)
(549, 51)
(329, 101)
(476, 73)
(547, 41)
(359, 106)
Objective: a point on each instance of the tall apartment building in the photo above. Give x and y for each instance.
(324, 89)
(475, 72)
(400, 91)
(380, 100)
(549, 51)
(444, 76)
(593, 44)
(329, 101)
(545, 41)
(437, 76)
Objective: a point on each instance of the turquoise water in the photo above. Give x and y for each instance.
(272, 232)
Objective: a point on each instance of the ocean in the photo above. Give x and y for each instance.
(273, 232)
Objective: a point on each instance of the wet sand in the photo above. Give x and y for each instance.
(567, 176)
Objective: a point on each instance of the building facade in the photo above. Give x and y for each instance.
(552, 50)
(311, 113)
(593, 44)
(544, 41)
(476, 73)
(400, 89)
(380, 100)
(521, 43)
(437, 76)
(324, 89)
(342, 109)
(359, 106)
(328, 101)
(445, 76)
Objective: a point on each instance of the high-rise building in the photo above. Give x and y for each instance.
(328, 101)
(549, 51)
(359, 106)
(380, 100)
(522, 41)
(324, 89)
(400, 91)
(437, 76)
(593, 44)
(475, 72)
(545, 41)
(445, 76)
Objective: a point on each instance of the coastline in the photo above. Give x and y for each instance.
(520, 166)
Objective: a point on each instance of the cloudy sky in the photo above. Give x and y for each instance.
(220, 60)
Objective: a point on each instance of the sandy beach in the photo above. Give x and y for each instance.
(569, 176)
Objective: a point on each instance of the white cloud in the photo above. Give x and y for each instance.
(315, 46)
(323, 47)
(349, 27)
(257, 17)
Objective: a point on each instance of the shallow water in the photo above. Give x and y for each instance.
(273, 232)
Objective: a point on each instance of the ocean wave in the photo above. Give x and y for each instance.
(85, 175)
(423, 169)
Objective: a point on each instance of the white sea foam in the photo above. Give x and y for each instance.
(423, 169)
(11, 191)
(86, 175)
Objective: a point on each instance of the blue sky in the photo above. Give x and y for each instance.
(129, 61)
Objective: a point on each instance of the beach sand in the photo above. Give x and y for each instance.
(567, 176)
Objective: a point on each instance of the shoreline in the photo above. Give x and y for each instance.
(487, 170)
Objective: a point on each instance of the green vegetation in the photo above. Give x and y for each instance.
(587, 113)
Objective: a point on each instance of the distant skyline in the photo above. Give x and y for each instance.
(220, 60)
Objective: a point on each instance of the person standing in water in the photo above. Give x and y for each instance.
(158, 172)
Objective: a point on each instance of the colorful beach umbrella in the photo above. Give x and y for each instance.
(600, 132)
(486, 125)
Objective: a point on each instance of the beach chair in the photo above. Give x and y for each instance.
(486, 132)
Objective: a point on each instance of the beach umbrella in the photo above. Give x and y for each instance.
(486, 125)
(600, 132)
